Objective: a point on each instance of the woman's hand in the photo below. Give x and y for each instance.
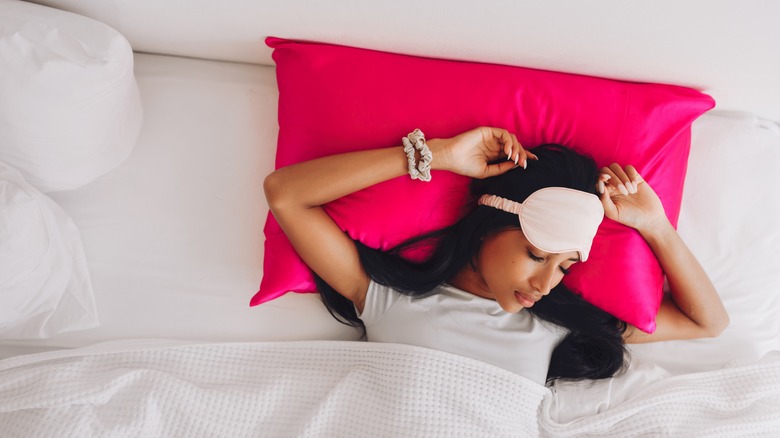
(479, 153)
(629, 200)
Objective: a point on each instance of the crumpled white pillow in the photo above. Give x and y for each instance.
(70, 109)
(45, 288)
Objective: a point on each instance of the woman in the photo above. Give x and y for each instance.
(480, 294)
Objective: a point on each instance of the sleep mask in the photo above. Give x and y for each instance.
(555, 219)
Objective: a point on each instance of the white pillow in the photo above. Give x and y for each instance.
(70, 110)
(45, 287)
(730, 219)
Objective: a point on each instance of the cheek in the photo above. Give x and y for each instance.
(504, 268)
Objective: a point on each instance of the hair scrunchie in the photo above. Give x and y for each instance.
(421, 170)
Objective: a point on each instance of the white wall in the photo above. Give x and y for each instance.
(728, 48)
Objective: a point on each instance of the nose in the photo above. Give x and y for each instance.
(544, 281)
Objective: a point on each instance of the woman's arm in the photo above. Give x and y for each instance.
(693, 308)
(296, 194)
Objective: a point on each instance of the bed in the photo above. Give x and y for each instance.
(158, 338)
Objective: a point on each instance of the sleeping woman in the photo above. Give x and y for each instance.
(491, 290)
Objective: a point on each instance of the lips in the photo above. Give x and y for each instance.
(524, 301)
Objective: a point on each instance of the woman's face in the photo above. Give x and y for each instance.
(517, 274)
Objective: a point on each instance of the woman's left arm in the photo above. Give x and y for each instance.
(693, 308)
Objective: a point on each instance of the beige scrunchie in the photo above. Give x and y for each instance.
(416, 140)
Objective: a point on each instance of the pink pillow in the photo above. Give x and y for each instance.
(335, 99)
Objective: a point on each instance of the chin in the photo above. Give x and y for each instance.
(513, 307)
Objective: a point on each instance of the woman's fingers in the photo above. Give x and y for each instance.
(521, 155)
(614, 181)
(497, 169)
(510, 145)
(619, 179)
(635, 177)
(601, 184)
(504, 140)
(623, 179)
(610, 210)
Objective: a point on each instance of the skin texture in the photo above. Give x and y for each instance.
(507, 263)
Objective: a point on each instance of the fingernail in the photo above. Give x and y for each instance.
(525, 164)
(601, 187)
(623, 189)
(509, 155)
(517, 158)
(605, 177)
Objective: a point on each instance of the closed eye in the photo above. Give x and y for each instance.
(538, 259)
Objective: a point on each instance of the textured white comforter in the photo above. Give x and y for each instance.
(332, 388)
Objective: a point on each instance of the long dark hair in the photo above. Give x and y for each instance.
(593, 347)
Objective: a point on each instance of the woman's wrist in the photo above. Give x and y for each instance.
(442, 158)
(656, 229)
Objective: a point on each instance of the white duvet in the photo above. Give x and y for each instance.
(338, 388)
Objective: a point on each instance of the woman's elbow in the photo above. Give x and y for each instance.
(716, 327)
(272, 186)
(724, 323)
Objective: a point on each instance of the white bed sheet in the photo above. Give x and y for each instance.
(334, 389)
(173, 236)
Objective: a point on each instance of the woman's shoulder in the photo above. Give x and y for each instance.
(379, 299)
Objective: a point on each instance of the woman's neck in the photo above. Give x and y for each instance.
(469, 280)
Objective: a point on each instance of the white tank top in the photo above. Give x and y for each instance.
(462, 323)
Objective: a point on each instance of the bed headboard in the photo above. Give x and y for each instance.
(726, 48)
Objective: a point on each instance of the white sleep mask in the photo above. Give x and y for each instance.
(555, 219)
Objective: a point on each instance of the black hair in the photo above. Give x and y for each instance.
(593, 347)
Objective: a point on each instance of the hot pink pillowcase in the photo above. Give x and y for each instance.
(335, 99)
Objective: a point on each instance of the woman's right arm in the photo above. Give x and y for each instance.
(693, 308)
(296, 194)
